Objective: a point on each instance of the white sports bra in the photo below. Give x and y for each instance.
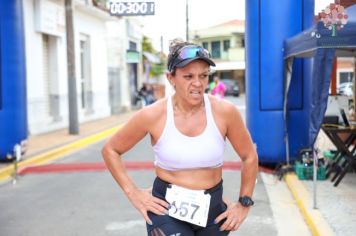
(176, 151)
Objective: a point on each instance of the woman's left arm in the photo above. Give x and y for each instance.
(241, 141)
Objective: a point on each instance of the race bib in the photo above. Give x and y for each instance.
(188, 205)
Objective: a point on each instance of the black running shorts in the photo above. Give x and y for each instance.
(164, 225)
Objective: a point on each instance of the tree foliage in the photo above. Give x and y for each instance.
(147, 45)
(156, 69)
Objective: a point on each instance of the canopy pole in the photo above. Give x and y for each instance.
(315, 169)
(288, 77)
(287, 149)
(333, 77)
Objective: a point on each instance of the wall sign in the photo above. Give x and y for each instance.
(131, 8)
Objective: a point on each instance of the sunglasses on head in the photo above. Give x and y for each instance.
(188, 52)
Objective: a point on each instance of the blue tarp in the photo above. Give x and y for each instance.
(319, 43)
(322, 68)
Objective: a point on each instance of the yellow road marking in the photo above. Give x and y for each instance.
(56, 153)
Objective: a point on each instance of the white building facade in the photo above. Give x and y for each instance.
(102, 77)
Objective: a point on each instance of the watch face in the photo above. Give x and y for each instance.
(246, 201)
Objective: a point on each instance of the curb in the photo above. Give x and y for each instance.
(56, 153)
(312, 217)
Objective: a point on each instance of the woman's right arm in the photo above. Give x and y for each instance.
(122, 141)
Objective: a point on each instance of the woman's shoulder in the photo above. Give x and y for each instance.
(153, 111)
(226, 113)
(221, 106)
(147, 118)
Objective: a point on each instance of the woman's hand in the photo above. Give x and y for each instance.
(143, 201)
(235, 214)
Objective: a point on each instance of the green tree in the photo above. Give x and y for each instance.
(155, 69)
(147, 45)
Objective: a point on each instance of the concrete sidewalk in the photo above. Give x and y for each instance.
(336, 206)
(46, 147)
(44, 142)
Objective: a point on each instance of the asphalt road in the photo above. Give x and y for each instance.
(91, 203)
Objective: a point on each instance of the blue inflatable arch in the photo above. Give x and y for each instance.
(13, 113)
(268, 24)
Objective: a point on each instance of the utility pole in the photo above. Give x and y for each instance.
(72, 84)
(186, 21)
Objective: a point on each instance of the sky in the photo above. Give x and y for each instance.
(169, 20)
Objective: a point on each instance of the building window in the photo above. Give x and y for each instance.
(85, 75)
(346, 77)
(215, 49)
(206, 45)
(50, 76)
(240, 41)
(226, 45)
(132, 46)
(225, 75)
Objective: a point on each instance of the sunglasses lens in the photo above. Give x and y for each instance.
(188, 53)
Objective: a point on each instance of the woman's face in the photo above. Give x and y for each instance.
(190, 81)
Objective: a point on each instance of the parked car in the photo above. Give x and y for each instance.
(346, 89)
(232, 87)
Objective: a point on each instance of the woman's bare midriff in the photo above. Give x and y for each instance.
(197, 179)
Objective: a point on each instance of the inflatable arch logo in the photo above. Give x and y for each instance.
(334, 17)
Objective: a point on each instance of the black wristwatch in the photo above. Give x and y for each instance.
(246, 201)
